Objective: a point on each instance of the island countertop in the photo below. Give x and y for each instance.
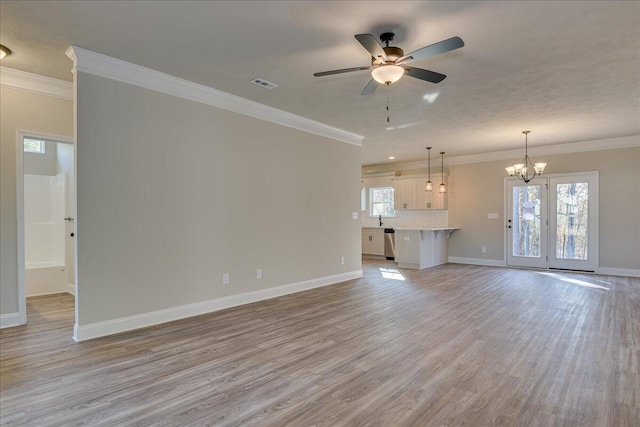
(422, 247)
(426, 229)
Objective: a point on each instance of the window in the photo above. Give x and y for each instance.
(381, 201)
(34, 146)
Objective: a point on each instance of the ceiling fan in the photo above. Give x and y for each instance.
(388, 63)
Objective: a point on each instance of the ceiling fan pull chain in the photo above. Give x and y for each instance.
(387, 104)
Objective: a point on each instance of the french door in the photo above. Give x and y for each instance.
(552, 222)
(527, 223)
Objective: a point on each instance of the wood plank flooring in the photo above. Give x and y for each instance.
(454, 345)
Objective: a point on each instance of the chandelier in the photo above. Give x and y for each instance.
(527, 170)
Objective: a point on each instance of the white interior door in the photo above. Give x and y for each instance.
(527, 223)
(573, 221)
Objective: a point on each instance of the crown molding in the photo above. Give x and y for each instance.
(35, 83)
(115, 69)
(546, 150)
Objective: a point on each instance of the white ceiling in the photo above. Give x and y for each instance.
(568, 71)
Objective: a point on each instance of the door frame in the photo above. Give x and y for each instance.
(592, 174)
(593, 259)
(542, 261)
(20, 135)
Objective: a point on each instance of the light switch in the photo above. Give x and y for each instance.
(355, 215)
(407, 238)
(492, 216)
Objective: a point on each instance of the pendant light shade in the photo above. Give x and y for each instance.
(443, 188)
(429, 185)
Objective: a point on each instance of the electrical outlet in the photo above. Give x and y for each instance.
(225, 279)
(259, 273)
(484, 250)
(342, 260)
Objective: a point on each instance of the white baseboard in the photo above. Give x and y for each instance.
(627, 272)
(124, 324)
(477, 261)
(9, 320)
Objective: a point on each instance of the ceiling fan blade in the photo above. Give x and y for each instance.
(344, 70)
(370, 87)
(419, 73)
(369, 42)
(432, 50)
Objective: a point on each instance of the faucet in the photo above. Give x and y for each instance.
(380, 219)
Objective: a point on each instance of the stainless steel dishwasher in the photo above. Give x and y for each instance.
(389, 243)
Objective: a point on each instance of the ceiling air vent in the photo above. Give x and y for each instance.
(264, 83)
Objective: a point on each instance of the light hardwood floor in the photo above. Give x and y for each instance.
(453, 345)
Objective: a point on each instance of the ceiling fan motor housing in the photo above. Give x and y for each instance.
(392, 52)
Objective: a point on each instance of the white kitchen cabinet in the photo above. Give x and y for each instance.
(373, 241)
(434, 199)
(409, 194)
(405, 194)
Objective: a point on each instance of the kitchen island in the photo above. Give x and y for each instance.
(421, 248)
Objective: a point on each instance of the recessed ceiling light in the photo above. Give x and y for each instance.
(4, 51)
(392, 158)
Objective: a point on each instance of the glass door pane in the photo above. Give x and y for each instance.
(573, 224)
(526, 221)
(572, 219)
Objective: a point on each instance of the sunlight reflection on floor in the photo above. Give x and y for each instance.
(574, 281)
(391, 273)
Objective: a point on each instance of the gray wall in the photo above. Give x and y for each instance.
(31, 112)
(478, 189)
(172, 194)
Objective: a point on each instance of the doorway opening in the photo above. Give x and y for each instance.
(552, 222)
(46, 207)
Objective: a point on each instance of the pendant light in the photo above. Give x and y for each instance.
(429, 185)
(526, 170)
(443, 188)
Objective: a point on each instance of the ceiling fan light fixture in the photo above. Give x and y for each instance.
(4, 51)
(387, 73)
